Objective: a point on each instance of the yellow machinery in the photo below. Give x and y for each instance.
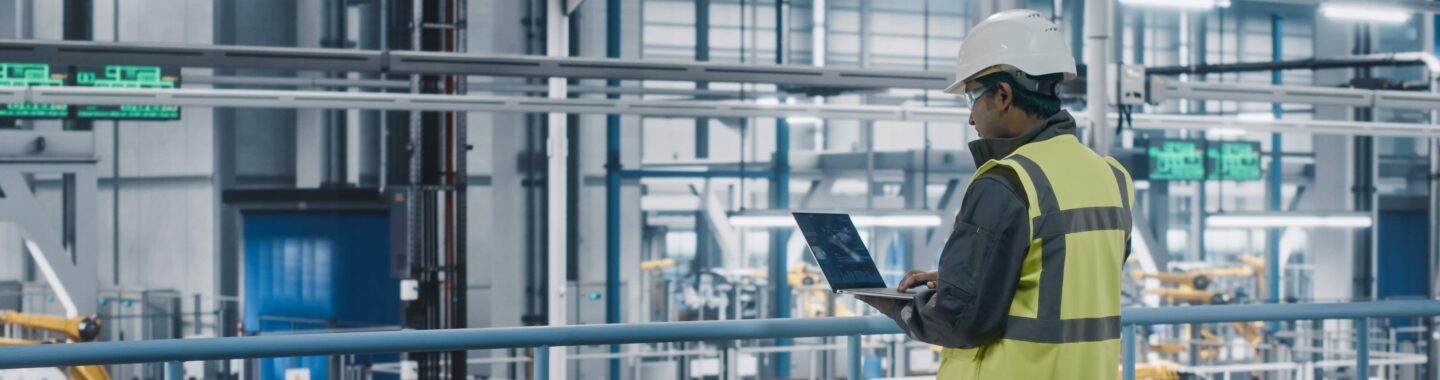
(1160, 371)
(77, 329)
(814, 303)
(1193, 287)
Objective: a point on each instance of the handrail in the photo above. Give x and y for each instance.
(151, 351)
(176, 350)
(1278, 312)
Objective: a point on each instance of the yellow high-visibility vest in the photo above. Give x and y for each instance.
(1064, 322)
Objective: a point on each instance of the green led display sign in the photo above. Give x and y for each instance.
(1234, 160)
(116, 76)
(1176, 160)
(20, 74)
(1193, 160)
(14, 74)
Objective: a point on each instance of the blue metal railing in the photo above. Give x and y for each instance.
(180, 350)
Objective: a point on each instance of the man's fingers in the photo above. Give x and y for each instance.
(931, 284)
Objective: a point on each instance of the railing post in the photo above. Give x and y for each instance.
(1127, 343)
(174, 371)
(857, 370)
(1362, 349)
(542, 363)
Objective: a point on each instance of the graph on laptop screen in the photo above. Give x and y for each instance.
(839, 251)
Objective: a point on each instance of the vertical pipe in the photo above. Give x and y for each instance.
(613, 166)
(702, 54)
(197, 315)
(1432, 365)
(557, 299)
(1097, 45)
(1362, 348)
(780, 193)
(542, 363)
(1274, 179)
(925, 100)
(460, 272)
(174, 371)
(857, 369)
(780, 196)
(1127, 342)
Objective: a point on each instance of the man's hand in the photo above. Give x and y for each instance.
(915, 278)
(884, 305)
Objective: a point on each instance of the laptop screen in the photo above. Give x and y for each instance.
(838, 249)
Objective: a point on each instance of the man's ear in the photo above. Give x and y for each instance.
(1004, 96)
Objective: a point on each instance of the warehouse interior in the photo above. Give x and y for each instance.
(203, 171)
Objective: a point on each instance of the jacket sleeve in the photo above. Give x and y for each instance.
(979, 269)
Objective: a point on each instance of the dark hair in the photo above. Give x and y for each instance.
(1033, 103)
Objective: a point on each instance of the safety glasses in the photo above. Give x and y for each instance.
(974, 95)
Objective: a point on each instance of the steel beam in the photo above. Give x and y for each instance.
(1168, 89)
(413, 62)
(70, 270)
(473, 103)
(32, 145)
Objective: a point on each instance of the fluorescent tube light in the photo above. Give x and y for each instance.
(896, 220)
(1289, 219)
(1187, 4)
(803, 120)
(1255, 116)
(772, 219)
(762, 221)
(1224, 132)
(1364, 12)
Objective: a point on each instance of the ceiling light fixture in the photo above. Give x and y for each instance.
(1186, 4)
(1368, 12)
(1290, 219)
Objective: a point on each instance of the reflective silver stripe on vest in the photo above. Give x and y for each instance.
(1062, 330)
(1124, 190)
(1052, 249)
(1078, 220)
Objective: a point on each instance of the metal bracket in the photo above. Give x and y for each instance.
(572, 5)
(47, 145)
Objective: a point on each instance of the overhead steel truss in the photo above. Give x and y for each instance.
(412, 62)
(471, 103)
(1167, 89)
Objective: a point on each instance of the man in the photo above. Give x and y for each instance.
(1029, 281)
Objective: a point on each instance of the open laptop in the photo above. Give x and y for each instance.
(842, 256)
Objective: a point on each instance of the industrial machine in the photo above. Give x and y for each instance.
(74, 330)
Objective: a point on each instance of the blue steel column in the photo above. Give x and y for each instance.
(1127, 343)
(780, 199)
(1362, 348)
(613, 167)
(174, 371)
(542, 363)
(857, 369)
(1274, 179)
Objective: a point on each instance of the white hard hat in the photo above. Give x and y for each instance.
(1016, 39)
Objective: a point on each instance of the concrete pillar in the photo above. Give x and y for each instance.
(1097, 57)
(1331, 189)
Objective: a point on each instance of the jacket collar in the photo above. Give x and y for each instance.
(984, 150)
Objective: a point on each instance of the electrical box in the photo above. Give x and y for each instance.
(1131, 89)
(409, 290)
